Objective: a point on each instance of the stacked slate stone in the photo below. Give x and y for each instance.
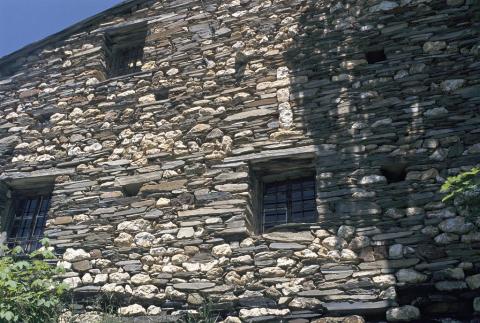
(152, 203)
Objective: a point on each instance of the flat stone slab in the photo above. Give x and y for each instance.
(305, 151)
(302, 236)
(393, 235)
(250, 114)
(208, 211)
(287, 246)
(356, 307)
(380, 264)
(163, 186)
(193, 286)
(138, 179)
(317, 293)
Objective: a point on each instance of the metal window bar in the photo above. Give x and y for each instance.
(124, 60)
(290, 201)
(28, 222)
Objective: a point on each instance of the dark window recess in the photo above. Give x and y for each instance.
(27, 220)
(161, 93)
(394, 173)
(290, 201)
(375, 56)
(10, 68)
(124, 50)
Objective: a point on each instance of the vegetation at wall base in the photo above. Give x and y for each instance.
(464, 191)
(29, 292)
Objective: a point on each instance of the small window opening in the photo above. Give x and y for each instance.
(375, 56)
(161, 93)
(131, 189)
(28, 216)
(9, 69)
(124, 50)
(290, 201)
(394, 172)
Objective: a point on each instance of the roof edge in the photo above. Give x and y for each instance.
(67, 31)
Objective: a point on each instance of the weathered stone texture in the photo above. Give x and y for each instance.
(151, 201)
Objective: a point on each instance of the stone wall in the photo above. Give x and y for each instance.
(153, 200)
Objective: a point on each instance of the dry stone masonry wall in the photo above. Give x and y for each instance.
(154, 197)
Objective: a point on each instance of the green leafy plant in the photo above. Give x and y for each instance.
(28, 290)
(205, 315)
(464, 191)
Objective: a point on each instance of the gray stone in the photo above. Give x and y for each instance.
(193, 286)
(298, 237)
(405, 313)
(473, 281)
(410, 276)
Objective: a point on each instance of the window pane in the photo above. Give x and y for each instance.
(29, 219)
(297, 197)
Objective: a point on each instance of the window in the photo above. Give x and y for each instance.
(27, 219)
(161, 93)
(124, 50)
(394, 172)
(375, 56)
(289, 201)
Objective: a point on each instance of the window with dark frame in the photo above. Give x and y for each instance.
(28, 216)
(375, 56)
(288, 201)
(124, 50)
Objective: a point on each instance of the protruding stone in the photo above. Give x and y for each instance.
(405, 313)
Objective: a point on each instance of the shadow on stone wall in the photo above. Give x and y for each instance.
(384, 175)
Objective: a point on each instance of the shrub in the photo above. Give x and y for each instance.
(28, 291)
(464, 191)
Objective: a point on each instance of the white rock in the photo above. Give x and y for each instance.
(72, 282)
(434, 46)
(384, 280)
(132, 310)
(144, 239)
(452, 85)
(185, 233)
(154, 310)
(384, 6)
(359, 242)
(473, 281)
(436, 112)
(123, 240)
(403, 314)
(476, 304)
(372, 179)
(410, 276)
(149, 98)
(395, 251)
(161, 202)
(100, 279)
(346, 232)
(347, 254)
(334, 243)
(134, 225)
(145, 291)
(305, 303)
(222, 250)
(256, 312)
(172, 71)
(456, 225)
(140, 279)
(73, 255)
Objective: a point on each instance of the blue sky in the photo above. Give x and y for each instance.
(24, 21)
